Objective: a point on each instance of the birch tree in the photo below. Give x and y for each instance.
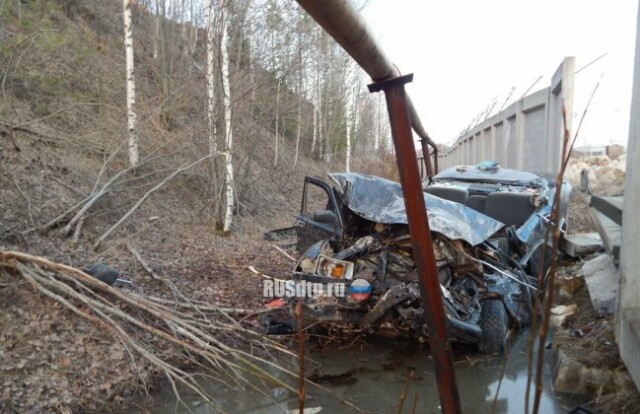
(210, 76)
(226, 106)
(275, 146)
(131, 84)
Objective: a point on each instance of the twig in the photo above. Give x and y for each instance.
(76, 234)
(24, 195)
(284, 253)
(22, 125)
(75, 190)
(301, 339)
(256, 272)
(56, 221)
(405, 391)
(415, 404)
(154, 275)
(567, 147)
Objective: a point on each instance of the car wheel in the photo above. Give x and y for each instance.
(493, 322)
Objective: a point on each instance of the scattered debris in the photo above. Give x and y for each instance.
(599, 175)
(588, 363)
(560, 313)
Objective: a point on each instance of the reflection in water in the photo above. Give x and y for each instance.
(379, 372)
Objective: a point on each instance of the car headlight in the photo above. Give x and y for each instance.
(334, 268)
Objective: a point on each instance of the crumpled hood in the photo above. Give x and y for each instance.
(381, 201)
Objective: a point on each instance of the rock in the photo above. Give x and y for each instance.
(581, 244)
(566, 288)
(572, 376)
(559, 314)
(606, 181)
(602, 279)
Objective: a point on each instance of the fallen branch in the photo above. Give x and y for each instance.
(183, 168)
(215, 349)
(155, 276)
(114, 310)
(96, 193)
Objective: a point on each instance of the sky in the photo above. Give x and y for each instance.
(466, 53)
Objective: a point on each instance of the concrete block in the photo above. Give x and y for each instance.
(628, 339)
(570, 375)
(602, 279)
(581, 244)
(609, 231)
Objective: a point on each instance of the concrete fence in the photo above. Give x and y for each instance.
(526, 135)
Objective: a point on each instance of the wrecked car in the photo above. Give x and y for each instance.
(352, 231)
(520, 200)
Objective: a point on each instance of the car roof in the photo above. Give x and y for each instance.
(489, 172)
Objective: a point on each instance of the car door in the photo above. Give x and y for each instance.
(319, 217)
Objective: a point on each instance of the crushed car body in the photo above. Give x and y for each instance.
(352, 231)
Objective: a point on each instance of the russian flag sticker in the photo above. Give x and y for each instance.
(360, 290)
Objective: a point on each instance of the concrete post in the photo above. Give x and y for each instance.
(628, 313)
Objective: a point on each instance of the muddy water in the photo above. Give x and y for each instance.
(373, 377)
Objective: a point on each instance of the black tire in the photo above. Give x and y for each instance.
(493, 322)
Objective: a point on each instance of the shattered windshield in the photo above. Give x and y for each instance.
(381, 201)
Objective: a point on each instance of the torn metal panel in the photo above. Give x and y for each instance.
(381, 201)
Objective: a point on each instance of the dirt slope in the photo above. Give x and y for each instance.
(61, 119)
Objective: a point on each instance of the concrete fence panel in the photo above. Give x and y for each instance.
(526, 135)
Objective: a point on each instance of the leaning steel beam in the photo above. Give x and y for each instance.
(343, 22)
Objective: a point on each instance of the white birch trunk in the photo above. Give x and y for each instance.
(275, 158)
(131, 84)
(251, 51)
(183, 23)
(316, 107)
(226, 104)
(348, 149)
(300, 94)
(157, 32)
(295, 161)
(315, 128)
(211, 102)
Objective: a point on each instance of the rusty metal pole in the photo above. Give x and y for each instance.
(421, 239)
(426, 158)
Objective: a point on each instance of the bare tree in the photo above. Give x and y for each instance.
(275, 146)
(131, 84)
(228, 130)
(210, 75)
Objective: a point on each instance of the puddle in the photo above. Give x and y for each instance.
(374, 377)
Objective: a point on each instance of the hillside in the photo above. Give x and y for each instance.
(62, 129)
